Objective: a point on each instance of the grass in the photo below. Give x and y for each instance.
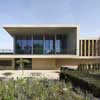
(39, 89)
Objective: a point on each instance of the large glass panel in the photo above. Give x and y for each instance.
(61, 44)
(23, 45)
(64, 48)
(27, 45)
(37, 44)
(18, 43)
(49, 44)
(58, 44)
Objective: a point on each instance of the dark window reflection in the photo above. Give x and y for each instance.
(49, 44)
(61, 44)
(23, 45)
(41, 43)
(38, 44)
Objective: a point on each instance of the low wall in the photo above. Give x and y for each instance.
(44, 64)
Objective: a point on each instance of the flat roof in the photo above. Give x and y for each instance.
(13, 29)
(44, 25)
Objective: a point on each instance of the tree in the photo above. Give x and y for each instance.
(21, 62)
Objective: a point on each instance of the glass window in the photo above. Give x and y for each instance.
(23, 45)
(18, 44)
(58, 44)
(38, 44)
(49, 44)
(61, 44)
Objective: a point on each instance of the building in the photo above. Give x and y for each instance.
(49, 47)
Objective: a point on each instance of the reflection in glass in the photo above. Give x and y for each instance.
(61, 44)
(41, 44)
(38, 44)
(49, 44)
(23, 45)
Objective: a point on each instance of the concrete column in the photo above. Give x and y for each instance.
(96, 48)
(81, 47)
(92, 47)
(78, 38)
(84, 47)
(14, 45)
(13, 64)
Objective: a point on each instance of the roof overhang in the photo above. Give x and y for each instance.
(19, 29)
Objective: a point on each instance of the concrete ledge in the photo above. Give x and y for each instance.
(50, 56)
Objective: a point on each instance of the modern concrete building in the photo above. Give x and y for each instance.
(49, 47)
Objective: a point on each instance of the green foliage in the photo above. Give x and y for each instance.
(21, 62)
(85, 80)
(38, 89)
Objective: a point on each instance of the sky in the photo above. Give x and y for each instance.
(83, 12)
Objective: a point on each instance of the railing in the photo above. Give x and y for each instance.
(6, 51)
(40, 51)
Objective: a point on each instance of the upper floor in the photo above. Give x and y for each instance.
(45, 39)
(51, 40)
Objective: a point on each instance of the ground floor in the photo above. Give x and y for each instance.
(48, 63)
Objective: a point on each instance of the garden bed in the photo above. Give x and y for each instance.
(39, 89)
(87, 81)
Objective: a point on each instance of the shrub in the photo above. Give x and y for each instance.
(38, 89)
(83, 80)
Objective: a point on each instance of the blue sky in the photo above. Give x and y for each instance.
(83, 12)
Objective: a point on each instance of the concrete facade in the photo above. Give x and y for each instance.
(44, 64)
(86, 52)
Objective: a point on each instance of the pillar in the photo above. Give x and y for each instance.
(81, 47)
(13, 64)
(84, 47)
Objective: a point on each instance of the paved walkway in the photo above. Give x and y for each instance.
(49, 74)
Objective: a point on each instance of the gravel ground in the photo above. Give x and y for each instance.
(49, 74)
